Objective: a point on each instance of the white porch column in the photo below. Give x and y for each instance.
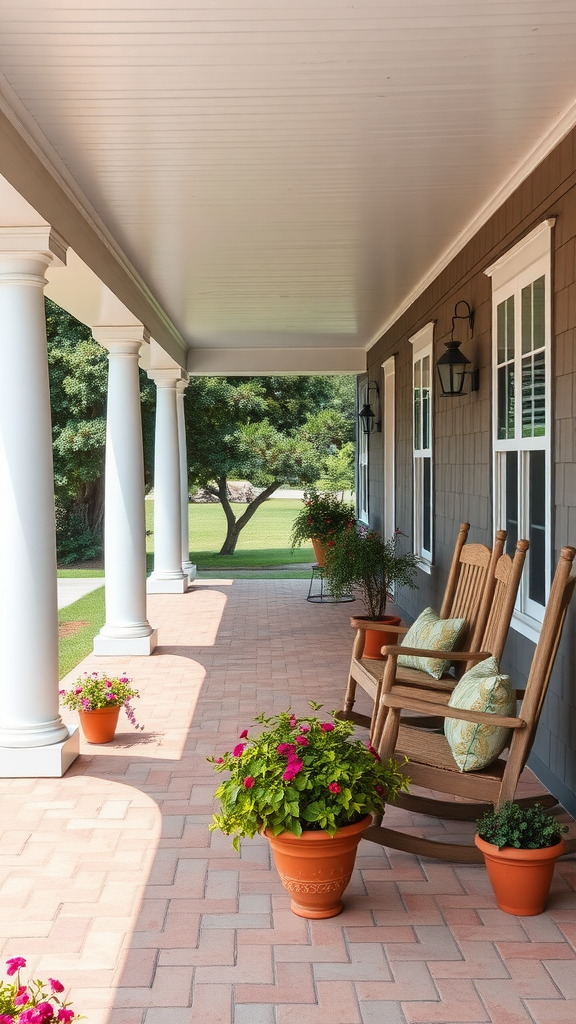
(127, 630)
(33, 739)
(187, 566)
(167, 577)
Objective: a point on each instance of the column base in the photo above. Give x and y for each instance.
(120, 646)
(190, 569)
(160, 586)
(48, 762)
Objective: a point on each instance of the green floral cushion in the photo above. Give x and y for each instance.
(432, 633)
(482, 688)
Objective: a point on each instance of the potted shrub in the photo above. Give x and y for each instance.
(311, 790)
(98, 698)
(36, 1002)
(520, 847)
(321, 518)
(367, 565)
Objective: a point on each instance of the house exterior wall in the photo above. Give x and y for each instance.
(463, 431)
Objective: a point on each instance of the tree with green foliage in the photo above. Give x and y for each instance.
(272, 431)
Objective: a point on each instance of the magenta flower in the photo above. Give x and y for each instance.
(109, 696)
(285, 749)
(108, 683)
(218, 760)
(45, 1011)
(5, 1019)
(22, 996)
(305, 727)
(293, 722)
(301, 741)
(294, 766)
(243, 734)
(79, 690)
(55, 985)
(65, 1015)
(373, 751)
(60, 692)
(248, 782)
(124, 679)
(326, 726)
(14, 964)
(334, 787)
(379, 789)
(239, 749)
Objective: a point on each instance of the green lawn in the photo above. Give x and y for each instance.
(265, 541)
(88, 609)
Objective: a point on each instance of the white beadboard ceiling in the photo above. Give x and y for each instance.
(282, 175)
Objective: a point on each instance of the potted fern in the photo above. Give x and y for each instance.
(367, 565)
(520, 846)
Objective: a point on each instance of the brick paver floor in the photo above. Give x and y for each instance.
(111, 881)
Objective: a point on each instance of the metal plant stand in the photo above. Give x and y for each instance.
(316, 592)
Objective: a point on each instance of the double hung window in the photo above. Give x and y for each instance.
(521, 337)
(422, 366)
(362, 484)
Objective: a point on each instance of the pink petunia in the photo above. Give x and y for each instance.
(374, 752)
(65, 1015)
(218, 760)
(379, 789)
(108, 683)
(293, 722)
(327, 727)
(288, 775)
(295, 765)
(14, 964)
(22, 997)
(334, 787)
(5, 1019)
(239, 750)
(248, 782)
(79, 690)
(243, 734)
(301, 741)
(45, 1011)
(55, 985)
(305, 727)
(285, 749)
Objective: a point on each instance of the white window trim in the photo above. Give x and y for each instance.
(389, 428)
(525, 262)
(363, 457)
(423, 345)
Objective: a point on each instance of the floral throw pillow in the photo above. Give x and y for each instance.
(432, 633)
(482, 688)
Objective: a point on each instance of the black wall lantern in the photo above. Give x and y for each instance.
(366, 415)
(453, 364)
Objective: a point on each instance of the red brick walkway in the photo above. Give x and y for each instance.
(110, 880)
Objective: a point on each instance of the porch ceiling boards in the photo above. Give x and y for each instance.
(282, 176)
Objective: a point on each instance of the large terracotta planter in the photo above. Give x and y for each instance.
(374, 639)
(319, 551)
(520, 879)
(99, 726)
(315, 868)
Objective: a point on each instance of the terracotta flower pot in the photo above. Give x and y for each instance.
(99, 726)
(315, 868)
(520, 879)
(374, 639)
(319, 551)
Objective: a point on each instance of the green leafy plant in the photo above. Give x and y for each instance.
(300, 774)
(37, 1002)
(322, 516)
(96, 691)
(365, 564)
(525, 828)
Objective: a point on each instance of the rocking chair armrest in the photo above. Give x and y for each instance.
(422, 652)
(381, 627)
(443, 711)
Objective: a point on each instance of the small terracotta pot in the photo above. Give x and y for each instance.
(319, 551)
(99, 726)
(520, 879)
(315, 868)
(374, 640)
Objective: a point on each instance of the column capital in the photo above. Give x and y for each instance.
(181, 386)
(26, 242)
(168, 377)
(121, 339)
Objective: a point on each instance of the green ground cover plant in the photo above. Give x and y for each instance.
(76, 646)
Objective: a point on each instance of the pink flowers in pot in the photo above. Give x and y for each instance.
(95, 691)
(37, 1002)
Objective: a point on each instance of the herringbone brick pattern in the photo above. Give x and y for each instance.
(110, 879)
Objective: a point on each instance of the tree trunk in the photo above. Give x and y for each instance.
(236, 525)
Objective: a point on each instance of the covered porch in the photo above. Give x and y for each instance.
(111, 881)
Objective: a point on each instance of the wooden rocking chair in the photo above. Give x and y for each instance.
(431, 763)
(471, 578)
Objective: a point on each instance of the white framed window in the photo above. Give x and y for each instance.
(362, 496)
(389, 428)
(522, 414)
(422, 366)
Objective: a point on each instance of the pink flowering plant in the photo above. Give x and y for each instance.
(301, 774)
(34, 1002)
(322, 516)
(97, 690)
